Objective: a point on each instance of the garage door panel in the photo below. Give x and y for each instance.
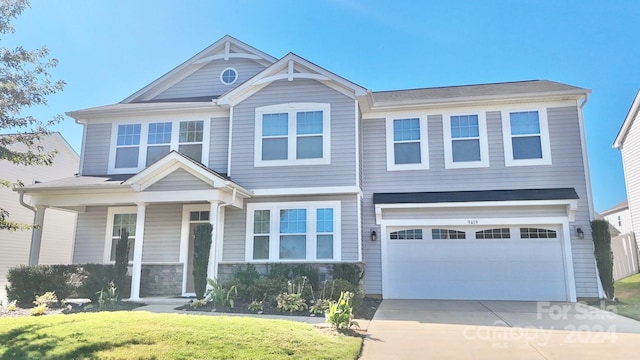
(504, 269)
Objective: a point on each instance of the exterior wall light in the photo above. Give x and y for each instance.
(580, 233)
(374, 235)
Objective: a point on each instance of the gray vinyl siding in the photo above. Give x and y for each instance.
(179, 180)
(96, 149)
(206, 80)
(90, 235)
(235, 226)
(162, 234)
(631, 163)
(219, 145)
(342, 169)
(566, 171)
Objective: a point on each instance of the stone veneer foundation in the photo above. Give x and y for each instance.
(161, 280)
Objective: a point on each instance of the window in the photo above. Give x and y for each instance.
(127, 146)
(411, 234)
(119, 219)
(407, 147)
(293, 231)
(499, 233)
(465, 141)
(293, 134)
(439, 234)
(228, 76)
(199, 216)
(526, 138)
(537, 233)
(137, 146)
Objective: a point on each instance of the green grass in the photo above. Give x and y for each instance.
(627, 291)
(144, 335)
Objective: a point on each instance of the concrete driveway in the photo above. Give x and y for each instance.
(455, 329)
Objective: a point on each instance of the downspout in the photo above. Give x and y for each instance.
(36, 232)
(585, 162)
(218, 252)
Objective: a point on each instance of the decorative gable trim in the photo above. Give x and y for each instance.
(628, 121)
(289, 68)
(221, 49)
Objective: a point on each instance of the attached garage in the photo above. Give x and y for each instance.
(481, 249)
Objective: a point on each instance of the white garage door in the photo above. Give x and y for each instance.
(489, 263)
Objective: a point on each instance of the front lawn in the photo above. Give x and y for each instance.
(627, 291)
(144, 335)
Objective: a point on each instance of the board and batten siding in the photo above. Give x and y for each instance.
(162, 233)
(96, 149)
(631, 164)
(566, 170)
(235, 226)
(342, 169)
(206, 80)
(90, 236)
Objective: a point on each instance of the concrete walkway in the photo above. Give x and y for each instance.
(439, 329)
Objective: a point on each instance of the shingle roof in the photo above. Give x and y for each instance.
(619, 206)
(480, 90)
(473, 196)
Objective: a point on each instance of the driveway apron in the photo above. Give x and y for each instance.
(458, 329)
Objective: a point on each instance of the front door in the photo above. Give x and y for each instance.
(194, 219)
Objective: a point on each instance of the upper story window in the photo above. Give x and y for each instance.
(407, 147)
(138, 145)
(293, 134)
(228, 76)
(465, 141)
(293, 231)
(526, 138)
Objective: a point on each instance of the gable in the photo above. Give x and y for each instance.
(206, 82)
(179, 180)
(628, 123)
(224, 53)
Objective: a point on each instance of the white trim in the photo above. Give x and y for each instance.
(424, 144)
(214, 217)
(143, 145)
(628, 121)
(229, 146)
(292, 109)
(357, 142)
(82, 147)
(585, 160)
(289, 76)
(184, 239)
(226, 57)
(234, 79)
(544, 137)
(138, 246)
(320, 190)
(475, 221)
(111, 212)
(570, 278)
(384, 251)
(482, 138)
(311, 233)
(360, 230)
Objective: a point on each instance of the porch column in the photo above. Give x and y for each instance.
(36, 235)
(212, 268)
(137, 252)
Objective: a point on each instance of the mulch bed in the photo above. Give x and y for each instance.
(71, 309)
(366, 310)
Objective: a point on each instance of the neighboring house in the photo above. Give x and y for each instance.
(59, 227)
(619, 217)
(463, 192)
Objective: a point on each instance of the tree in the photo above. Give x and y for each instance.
(201, 250)
(603, 254)
(24, 82)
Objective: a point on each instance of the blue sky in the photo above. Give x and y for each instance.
(108, 49)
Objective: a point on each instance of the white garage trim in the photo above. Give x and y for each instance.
(562, 222)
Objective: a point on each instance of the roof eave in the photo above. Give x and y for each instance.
(626, 125)
(122, 109)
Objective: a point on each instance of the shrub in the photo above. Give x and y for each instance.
(39, 310)
(603, 254)
(122, 260)
(219, 295)
(353, 273)
(337, 286)
(267, 289)
(94, 277)
(340, 313)
(47, 299)
(12, 306)
(310, 273)
(293, 300)
(244, 280)
(201, 249)
(320, 306)
(108, 296)
(256, 307)
(26, 282)
(279, 271)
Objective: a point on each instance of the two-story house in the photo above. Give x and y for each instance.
(465, 192)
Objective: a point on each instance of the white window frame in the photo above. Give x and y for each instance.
(225, 70)
(448, 141)
(144, 134)
(111, 212)
(544, 138)
(292, 109)
(424, 145)
(274, 230)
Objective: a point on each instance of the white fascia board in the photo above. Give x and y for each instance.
(434, 106)
(628, 121)
(476, 222)
(328, 190)
(210, 109)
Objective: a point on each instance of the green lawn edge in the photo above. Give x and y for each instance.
(627, 291)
